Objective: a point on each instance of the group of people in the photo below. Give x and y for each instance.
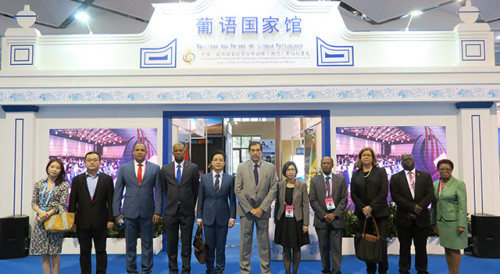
(98, 206)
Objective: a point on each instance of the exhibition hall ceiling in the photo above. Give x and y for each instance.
(132, 16)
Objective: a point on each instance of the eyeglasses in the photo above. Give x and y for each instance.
(92, 160)
(445, 169)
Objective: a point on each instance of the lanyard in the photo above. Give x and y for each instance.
(440, 188)
(295, 195)
(50, 192)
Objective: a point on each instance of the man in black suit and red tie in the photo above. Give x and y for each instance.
(92, 198)
(412, 191)
(180, 180)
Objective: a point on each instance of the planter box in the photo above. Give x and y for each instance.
(113, 246)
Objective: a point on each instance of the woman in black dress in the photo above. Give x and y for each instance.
(291, 216)
(369, 187)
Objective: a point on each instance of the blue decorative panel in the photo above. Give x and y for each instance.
(21, 55)
(165, 57)
(330, 56)
(473, 50)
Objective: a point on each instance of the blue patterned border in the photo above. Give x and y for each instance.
(249, 94)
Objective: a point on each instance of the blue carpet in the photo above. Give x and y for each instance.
(116, 264)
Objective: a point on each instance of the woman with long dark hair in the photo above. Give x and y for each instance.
(48, 194)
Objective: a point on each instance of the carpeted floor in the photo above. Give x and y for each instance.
(116, 264)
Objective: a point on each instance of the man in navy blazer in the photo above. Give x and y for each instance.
(91, 198)
(141, 206)
(412, 191)
(216, 211)
(180, 182)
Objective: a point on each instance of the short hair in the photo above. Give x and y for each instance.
(328, 157)
(287, 165)
(62, 176)
(216, 153)
(253, 143)
(139, 143)
(179, 144)
(445, 161)
(359, 164)
(93, 152)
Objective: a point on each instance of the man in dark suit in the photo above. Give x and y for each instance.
(216, 211)
(180, 180)
(328, 198)
(91, 198)
(255, 187)
(141, 206)
(412, 191)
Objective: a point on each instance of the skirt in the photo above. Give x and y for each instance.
(288, 233)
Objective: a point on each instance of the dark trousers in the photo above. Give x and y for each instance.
(419, 237)
(85, 237)
(215, 237)
(383, 266)
(330, 246)
(132, 228)
(172, 225)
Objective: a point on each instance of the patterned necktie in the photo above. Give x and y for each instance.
(179, 174)
(256, 174)
(412, 180)
(327, 182)
(217, 184)
(139, 174)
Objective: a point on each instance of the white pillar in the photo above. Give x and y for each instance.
(478, 156)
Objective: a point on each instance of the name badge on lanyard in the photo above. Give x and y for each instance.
(44, 204)
(289, 211)
(329, 203)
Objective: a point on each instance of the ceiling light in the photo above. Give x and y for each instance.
(416, 12)
(498, 37)
(82, 16)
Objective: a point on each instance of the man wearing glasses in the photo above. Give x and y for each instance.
(91, 198)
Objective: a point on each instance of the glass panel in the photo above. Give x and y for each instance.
(245, 141)
(254, 119)
(245, 155)
(236, 142)
(236, 160)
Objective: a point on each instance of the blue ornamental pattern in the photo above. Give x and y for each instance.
(249, 94)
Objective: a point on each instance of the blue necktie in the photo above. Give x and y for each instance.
(256, 174)
(179, 174)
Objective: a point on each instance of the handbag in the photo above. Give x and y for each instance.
(61, 222)
(200, 247)
(369, 247)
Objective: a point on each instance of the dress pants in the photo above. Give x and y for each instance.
(383, 266)
(132, 227)
(172, 225)
(85, 237)
(419, 237)
(330, 246)
(215, 237)
(246, 236)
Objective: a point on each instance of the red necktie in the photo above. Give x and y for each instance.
(139, 174)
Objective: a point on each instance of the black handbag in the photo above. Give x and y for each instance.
(369, 247)
(200, 247)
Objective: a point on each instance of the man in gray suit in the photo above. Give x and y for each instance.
(141, 206)
(328, 197)
(255, 188)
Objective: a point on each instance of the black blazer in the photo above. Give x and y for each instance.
(372, 193)
(91, 213)
(185, 193)
(401, 195)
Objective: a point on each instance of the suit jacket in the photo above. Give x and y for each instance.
(216, 208)
(317, 195)
(184, 193)
(250, 196)
(301, 205)
(140, 200)
(372, 193)
(401, 195)
(95, 213)
(451, 206)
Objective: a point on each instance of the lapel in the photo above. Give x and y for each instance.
(85, 186)
(99, 180)
(211, 185)
(184, 172)
(406, 185)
